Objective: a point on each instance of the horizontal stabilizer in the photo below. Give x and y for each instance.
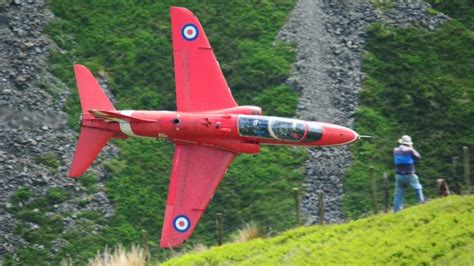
(91, 141)
(117, 116)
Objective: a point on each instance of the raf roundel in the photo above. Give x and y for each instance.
(190, 32)
(181, 223)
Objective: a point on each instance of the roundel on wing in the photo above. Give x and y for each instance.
(190, 32)
(181, 223)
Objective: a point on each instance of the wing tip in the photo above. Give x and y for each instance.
(79, 67)
(74, 174)
(177, 9)
(76, 170)
(171, 242)
(81, 71)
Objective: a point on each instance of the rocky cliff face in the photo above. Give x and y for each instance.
(36, 144)
(330, 36)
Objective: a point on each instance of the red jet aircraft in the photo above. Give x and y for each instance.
(208, 129)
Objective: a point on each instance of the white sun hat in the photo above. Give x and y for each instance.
(405, 139)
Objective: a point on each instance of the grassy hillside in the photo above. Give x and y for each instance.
(130, 43)
(421, 83)
(437, 233)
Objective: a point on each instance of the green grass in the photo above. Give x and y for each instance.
(130, 43)
(420, 83)
(437, 233)
(50, 160)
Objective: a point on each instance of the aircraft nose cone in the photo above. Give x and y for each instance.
(340, 135)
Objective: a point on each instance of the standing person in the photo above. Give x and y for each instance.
(404, 157)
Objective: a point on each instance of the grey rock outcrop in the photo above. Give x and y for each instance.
(330, 37)
(36, 143)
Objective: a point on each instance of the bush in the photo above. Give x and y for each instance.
(89, 181)
(21, 195)
(56, 195)
(50, 160)
(249, 232)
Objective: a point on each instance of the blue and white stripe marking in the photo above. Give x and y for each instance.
(190, 32)
(181, 223)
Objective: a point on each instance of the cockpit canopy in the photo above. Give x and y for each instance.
(278, 128)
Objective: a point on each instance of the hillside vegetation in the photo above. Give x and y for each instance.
(129, 42)
(421, 83)
(437, 233)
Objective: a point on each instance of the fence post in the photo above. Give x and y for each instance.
(68, 260)
(467, 170)
(297, 205)
(321, 208)
(145, 244)
(219, 228)
(385, 192)
(373, 190)
(456, 186)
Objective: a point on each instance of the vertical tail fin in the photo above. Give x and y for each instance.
(91, 140)
(91, 94)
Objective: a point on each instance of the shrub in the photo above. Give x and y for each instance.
(89, 181)
(249, 232)
(21, 195)
(56, 195)
(49, 159)
(119, 256)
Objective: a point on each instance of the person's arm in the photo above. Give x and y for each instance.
(415, 154)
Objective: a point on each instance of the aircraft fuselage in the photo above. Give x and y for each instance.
(239, 129)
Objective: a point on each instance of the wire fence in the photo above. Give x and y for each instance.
(265, 222)
(461, 185)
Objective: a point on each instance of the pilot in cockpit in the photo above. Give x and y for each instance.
(258, 129)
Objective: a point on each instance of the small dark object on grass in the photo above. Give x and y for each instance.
(442, 185)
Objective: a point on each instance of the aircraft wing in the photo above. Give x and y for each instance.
(195, 175)
(200, 84)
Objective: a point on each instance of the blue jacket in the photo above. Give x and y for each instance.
(404, 159)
